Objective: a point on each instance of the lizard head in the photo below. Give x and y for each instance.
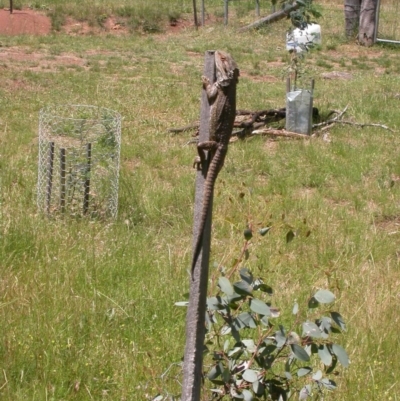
(227, 69)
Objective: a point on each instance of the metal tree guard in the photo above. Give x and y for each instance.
(79, 152)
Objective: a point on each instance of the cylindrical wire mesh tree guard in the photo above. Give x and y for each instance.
(79, 153)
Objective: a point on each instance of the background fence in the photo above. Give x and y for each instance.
(388, 26)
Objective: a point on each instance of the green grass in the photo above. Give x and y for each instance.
(87, 307)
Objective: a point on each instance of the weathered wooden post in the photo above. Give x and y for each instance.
(226, 12)
(195, 320)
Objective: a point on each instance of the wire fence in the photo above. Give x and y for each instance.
(388, 27)
(79, 152)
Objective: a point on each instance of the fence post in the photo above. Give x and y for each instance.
(195, 320)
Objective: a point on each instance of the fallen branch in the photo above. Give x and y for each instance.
(338, 120)
(280, 132)
(272, 17)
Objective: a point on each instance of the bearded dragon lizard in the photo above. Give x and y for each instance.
(222, 99)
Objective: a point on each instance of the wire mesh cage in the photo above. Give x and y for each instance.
(79, 153)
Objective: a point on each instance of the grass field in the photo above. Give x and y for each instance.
(87, 306)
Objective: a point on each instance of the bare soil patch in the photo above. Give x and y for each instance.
(24, 22)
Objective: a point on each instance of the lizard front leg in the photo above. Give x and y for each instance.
(209, 146)
(211, 89)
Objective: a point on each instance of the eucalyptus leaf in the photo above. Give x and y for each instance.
(325, 355)
(225, 330)
(214, 372)
(303, 371)
(245, 275)
(311, 329)
(258, 388)
(247, 395)
(290, 236)
(241, 287)
(226, 376)
(260, 307)
(341, 354)
(265, 230)
(325, 324)
(181, 303)
(226, 286)
(214, 303)
(280, 339)
(338, 319)
(299, 353)
(317, 375)
(305, 392)
(243, 320)
(264, 288)
(288, 375)
(329, 384)
(248, 234)
(250, 375)
(250, 345)
(226, 345)
(324, 296)
(312, 303)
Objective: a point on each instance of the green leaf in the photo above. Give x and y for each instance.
(226, 375)
(324, 296)
(247, 395)
(214, 303)
(241, 287)
(264, 288)
(248, 234)
(214, 372)
(325, 324)
(311, 329)
(338, 319)
(280, 339)
(245, 275)
(260, 307)
(226, 345)
(329, 384)
(225, 330)
(250, 375)
(235, 351)
(317, 375)
(181, 303)
(226, 286)
(299, 353)
(341, 354)
(290, 236)
(313, 303)
(244, 320)
(258, 388)
(305, 392)
(250, 346)
(303, 371)
(265, 230)
(325, 355)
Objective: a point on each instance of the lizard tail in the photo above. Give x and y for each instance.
(208, 192)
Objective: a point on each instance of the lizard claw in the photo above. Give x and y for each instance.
(205, 81)
(197, 163)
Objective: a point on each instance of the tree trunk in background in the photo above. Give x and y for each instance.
(367, 22)
(352, 16)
